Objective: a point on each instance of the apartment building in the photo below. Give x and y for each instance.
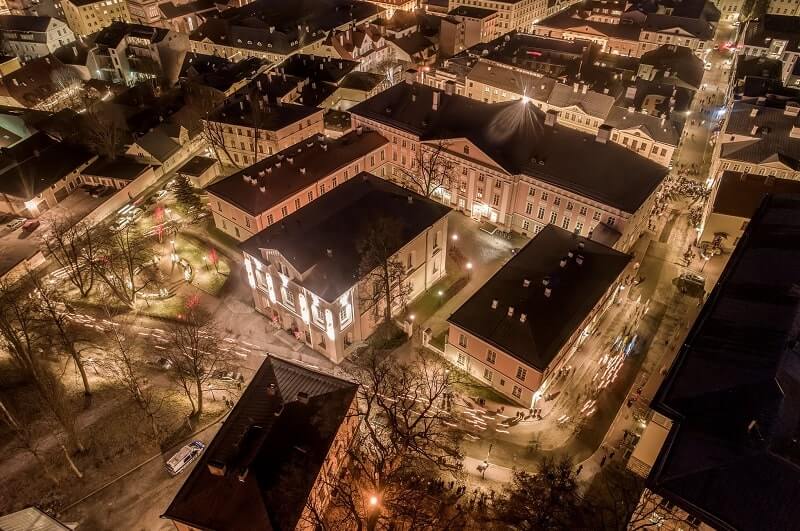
(85, 17)
(144, 11)
(260, 195)
(130, 53)
(293, 423)
(515, 14)
(389, 7)
(296, 27)
(464, 27)
(256, 123)
(783, 7)
(631, 30)
(528, 319)
(774, 37)
(29, 37)
(760, 139)
(364, 44)
(513, 165)
(305, 271)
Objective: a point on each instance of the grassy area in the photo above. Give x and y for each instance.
(207, 278)
(169, 308)
(433, 299)
(469, 386)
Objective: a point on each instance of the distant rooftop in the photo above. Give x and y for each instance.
(768, 135)
(333, 223)
(740, 194)
(277, 438)
(769, 28)
(472, 12)
(733, 393)
(119, 168)
(196, 166)
(548, 321)
(311, 160)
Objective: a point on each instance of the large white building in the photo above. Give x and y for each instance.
(306, 271)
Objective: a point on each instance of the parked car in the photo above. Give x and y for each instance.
(184, 456)
(692, 284)
(14, 224)
(229, 376)
(31, 225)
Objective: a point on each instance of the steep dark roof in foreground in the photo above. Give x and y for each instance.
(741, 194)
(733, 392)
(335, 222)
(515, 136)
(280, 441)
(549, 321)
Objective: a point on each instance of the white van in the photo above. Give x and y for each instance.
(184, 456)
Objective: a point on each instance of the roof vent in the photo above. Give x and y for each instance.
(262, 188)
(329, 252)
(526, 283)
(570, 254)
(510, 311)
(245, 178)
(563, 263)
(579, 259)
(522, 318)
(272, 390)
(546, 281)
(410, 200)
(290, 160)
(494, 304)
(753, 113)
(547, 292)
(303, 171)
(581, 245)
(550, 118)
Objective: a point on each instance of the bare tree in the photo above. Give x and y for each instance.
(26, 342)
(67, 83)
(101, 130)
(73, 246)
(118, 266)
(383, 287)
(125, 365)
(203, 104)
(431, 168)
(52, 314)
(404, 439)
(196, 354)
(22, 430)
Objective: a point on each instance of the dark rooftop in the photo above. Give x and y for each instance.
(679, 61)
(32, 165)
(270, 118)
(741, 194)
(548, 321)
(733, 392)
(24, 23)
(312, 159)
(472, 12)
(218, 72)
(112, 35)
(119, 168)
(772, 140)
(196, 166)
(282, 444)
(762, 32)
(514, 135)
(334, 221)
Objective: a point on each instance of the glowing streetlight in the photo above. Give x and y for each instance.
(469, 265)
(373, 501)
(412, 317)
(455, 237)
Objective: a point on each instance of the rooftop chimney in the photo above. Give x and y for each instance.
(262, 188)
(753, 113)
(563, 263)
(410, 200)
(546, 281)
(579, 259)
(603, 134)
(526, 283)
(584, 88)
(547, 292)
(510, 311)
(410, 76)
(436, 96)
(522, 317)
(449, 88)
(494, 304)
(329, 252)
(792, 109)
(575, 88)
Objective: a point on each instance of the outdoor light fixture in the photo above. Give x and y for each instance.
(31, 203)
(455, 237)
(469, 265)
(373, 500)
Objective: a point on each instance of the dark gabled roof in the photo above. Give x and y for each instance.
(312, 160)
(270, 118)
(196, 166)
(217, 72)
(33, 83)
(74, 53)
(528, 84)
(571, 19)
(762, 32)
(549, 321)
(119, 168)
(680, 61)
(335, 222)
(319, 69)
(771, 140)
(513, 134)
(112, 35)
(696, 27)
(24, 23)
(32, 165)
(281, 442)
(158, 144)
(733, 392)
(363, 81)
(472, 12)
(741, 194)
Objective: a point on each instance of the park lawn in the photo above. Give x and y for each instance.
(206, 277)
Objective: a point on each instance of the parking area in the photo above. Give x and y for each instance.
(20, 244)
